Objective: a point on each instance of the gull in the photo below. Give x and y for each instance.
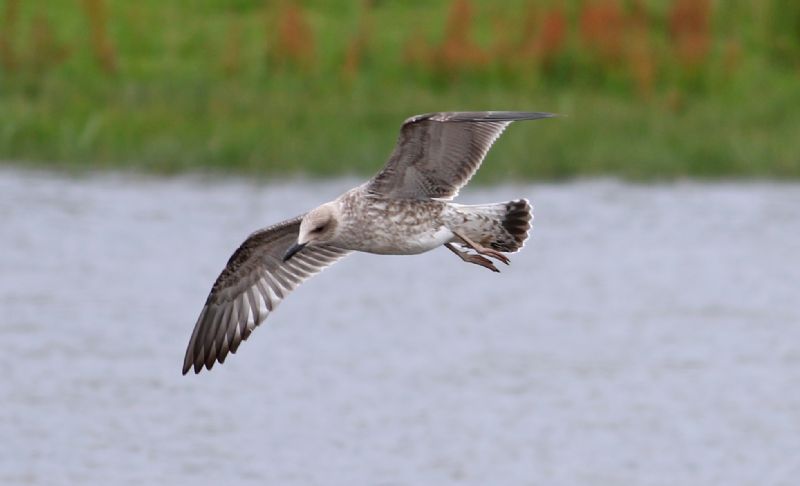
(405, 209)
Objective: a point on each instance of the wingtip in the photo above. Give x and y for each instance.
(535, 115)
(187, 365)
(194, 363)
(481, 116)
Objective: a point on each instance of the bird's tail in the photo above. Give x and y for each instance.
(501, 226)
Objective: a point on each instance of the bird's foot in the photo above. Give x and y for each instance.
(493, 253)
(482, 250)
(476, 259)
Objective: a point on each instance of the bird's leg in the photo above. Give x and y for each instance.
(476, 259)
(482, 249)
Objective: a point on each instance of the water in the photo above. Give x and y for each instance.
(647, 335)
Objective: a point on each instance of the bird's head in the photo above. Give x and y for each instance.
(317, 227)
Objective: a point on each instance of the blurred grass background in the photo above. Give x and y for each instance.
(652, 89)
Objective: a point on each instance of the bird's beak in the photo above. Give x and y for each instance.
(292, 250)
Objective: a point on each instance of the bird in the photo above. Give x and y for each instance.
(405, 209)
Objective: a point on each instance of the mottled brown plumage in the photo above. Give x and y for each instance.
(438, 153)
(403, 210)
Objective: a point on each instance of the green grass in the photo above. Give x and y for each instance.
(176, 104)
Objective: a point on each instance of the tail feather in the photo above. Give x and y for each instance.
(500, 226)
(517, 224)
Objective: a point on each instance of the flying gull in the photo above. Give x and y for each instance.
(404, 210)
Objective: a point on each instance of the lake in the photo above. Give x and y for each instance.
(646, 335)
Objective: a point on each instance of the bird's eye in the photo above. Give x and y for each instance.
(318, 229)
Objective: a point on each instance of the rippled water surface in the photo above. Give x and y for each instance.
(647, 335)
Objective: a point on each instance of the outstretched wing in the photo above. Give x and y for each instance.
(254, 282)
(437, 153)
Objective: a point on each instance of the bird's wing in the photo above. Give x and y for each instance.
(253, 283)
(437, 153)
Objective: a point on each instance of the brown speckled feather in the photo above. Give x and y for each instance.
(437, 153)
(403, 210)
(253, 283)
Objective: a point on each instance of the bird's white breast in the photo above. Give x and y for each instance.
(393, 227)
(413, 243)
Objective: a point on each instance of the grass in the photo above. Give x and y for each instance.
(225, 87)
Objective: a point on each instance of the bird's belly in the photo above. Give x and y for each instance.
(404, 243)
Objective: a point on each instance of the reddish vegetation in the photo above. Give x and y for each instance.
(689, 27)
(503, 49)
(619, 36)
(732, 56)
(602, 28)
(46, 52)
(616, 35)
(101, 45)
(294, 44)
(359, 44)
(416, 51)
(544, 36)
(641, 58)
(9, 27)
(232, 50)
(458, 52)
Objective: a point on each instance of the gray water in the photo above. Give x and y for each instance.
(646, 335)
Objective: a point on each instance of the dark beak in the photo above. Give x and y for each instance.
(292, 250)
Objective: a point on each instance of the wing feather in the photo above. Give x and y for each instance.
(437, 153)
(252, 284)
